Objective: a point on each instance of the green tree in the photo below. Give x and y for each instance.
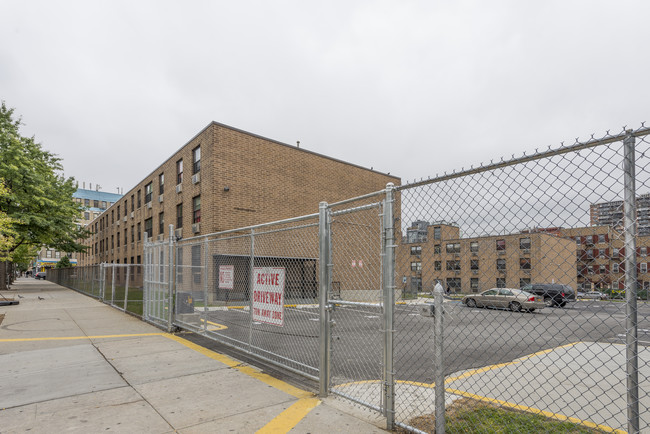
(63, 263)
(23, 256)
(39, 198)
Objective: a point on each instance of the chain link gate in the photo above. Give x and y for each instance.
(158, 281)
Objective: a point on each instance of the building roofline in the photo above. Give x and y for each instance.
(220, 125)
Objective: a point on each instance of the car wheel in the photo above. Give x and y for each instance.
(563, 304)
(548, 301)
(531, 310)
(471, 302)
(515, 307)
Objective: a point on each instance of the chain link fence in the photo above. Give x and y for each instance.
(118, 285)
(516, 287)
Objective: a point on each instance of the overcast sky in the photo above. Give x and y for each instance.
(413, 88)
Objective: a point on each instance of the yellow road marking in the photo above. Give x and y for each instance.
(216, 327)
(72, 338)
(286, 420)
(289, 418)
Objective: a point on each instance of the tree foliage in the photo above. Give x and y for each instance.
(38, 197)
(64, 263)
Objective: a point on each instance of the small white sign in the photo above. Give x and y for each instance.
(360, 263)
(268, 295)
(227, 276)
(354, 264)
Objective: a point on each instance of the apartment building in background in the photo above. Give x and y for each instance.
(612, 213)
(431, 252)
(223, 178)
(94, 203)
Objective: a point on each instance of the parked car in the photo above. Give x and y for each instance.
(513, 299)
(595, 295)
(553, 294)
(40, 275)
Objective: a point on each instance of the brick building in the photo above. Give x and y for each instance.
(223, 178)
(435, 251)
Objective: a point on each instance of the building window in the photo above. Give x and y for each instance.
(602, 269)
(524, 263)
(577, 240)
(453, 284)
(118, 212)
(615, 252)
(96, 203)
(453, 248)
(524, 243)
(615, 268)
(501, 264)
(179, 215)
(196, 209)
(86, 216)
(437, 235)
(87, 203)
(132, 236)
(196, 160)
(644, 267)
(501, 282)
(524, 282)
(473, 284)
(139, 198)
(602, 238)
(590, 269)
(644, 251)
(473, 247)
(126, 236)
(132, 203)
(501, 245)
(416, 250)
(148, 191)
(161, 223)
(416, 266)
(139, 232)
(148, 227)
(179, 171)
(436, 249)
(453, 265)
(112, 216)
(196, 263)
(161, 183)
(437, 265)
(473, 264)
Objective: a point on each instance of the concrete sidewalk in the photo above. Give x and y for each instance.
(70, 363)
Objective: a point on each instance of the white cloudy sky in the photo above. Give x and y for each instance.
(413, 88)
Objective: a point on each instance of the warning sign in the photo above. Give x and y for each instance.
(268, 295)
(226, 276)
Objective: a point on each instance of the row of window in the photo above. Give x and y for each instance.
(524, 244)
(592, 239)
(88, 203)
(102, 245)
(604, 253)
(524, 264)
(617, 267)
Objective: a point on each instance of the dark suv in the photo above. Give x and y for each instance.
(554, 294)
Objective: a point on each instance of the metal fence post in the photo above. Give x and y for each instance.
(126, 287)
(388, 283)
(113, 284)
(438, 369)
(250, 290)
(206, 265)
(631, 338)
(171, 283)
(324, 237)
(102, 281)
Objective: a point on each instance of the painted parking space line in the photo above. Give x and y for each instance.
(72, 338)
(286, 420)
(214, 326)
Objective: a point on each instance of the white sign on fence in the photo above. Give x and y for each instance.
(268, 295)
(226, 276)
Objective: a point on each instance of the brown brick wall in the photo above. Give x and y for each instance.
(266, 181)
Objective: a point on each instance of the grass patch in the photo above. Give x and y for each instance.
(467, 415)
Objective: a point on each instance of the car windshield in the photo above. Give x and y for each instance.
(519, 291)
